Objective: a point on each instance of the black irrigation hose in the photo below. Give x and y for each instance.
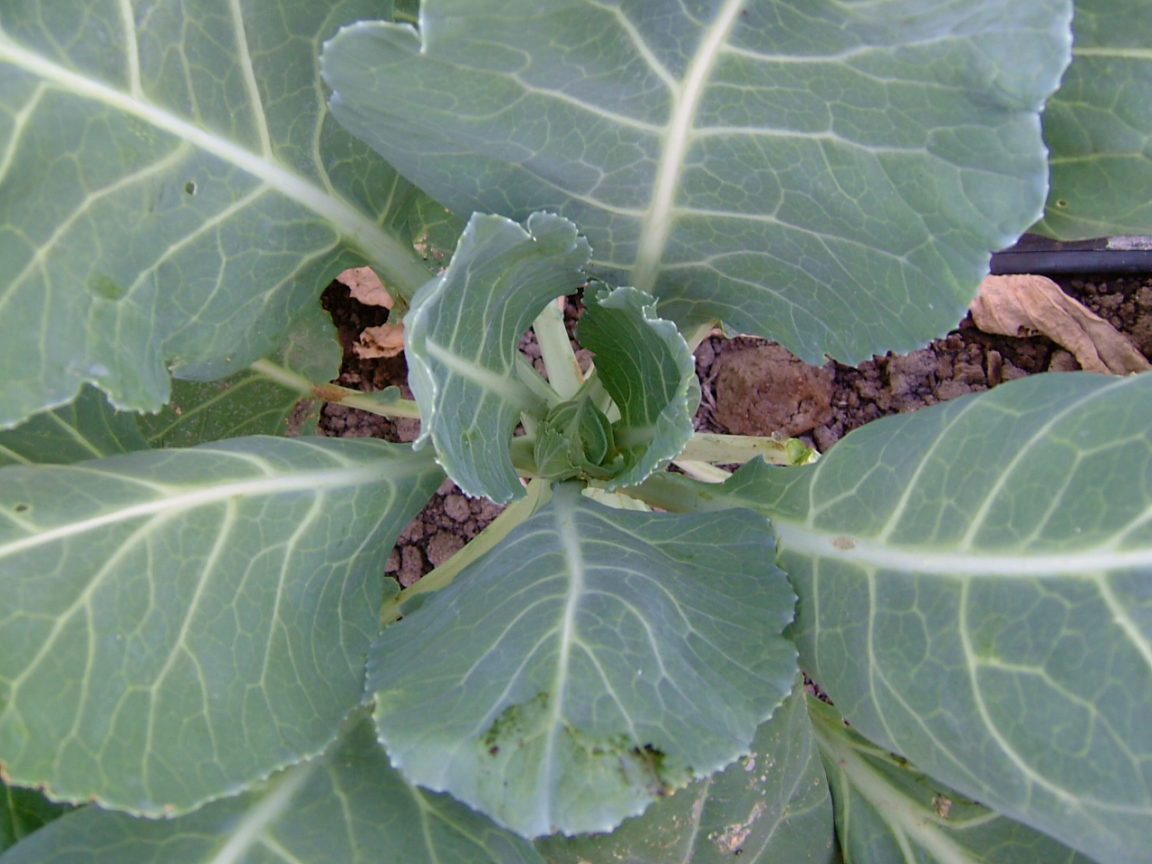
(1034, 254)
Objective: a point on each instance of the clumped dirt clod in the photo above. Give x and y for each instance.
(765, 386)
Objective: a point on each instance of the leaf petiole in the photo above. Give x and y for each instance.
(386, 403)
(556, 350)
(527, 375)
(722, 449)
(538, 494)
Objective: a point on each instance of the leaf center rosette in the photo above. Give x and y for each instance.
(631, 416)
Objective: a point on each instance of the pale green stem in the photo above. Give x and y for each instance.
(284, 377)
(366, 402)
(698, 334)
(679, 494)
(335, 393)
(702, 471)
(708, 447)
(537, 494)
(530, 378)
(556, 350)
(620, 500)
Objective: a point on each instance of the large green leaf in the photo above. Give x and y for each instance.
(176, 624)
(974, 586)
(887, 812)
(594, 660)
(830, 175)
(769, 806)
(87, 428)
(648, 369)
(462, 342)
(172, 191)
(1099, 125)
(347, 806)
(264, 399)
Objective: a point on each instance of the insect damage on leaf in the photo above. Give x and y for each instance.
(527, 734)
(514, 725)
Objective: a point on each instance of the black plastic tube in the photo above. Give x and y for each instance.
(1033, 254)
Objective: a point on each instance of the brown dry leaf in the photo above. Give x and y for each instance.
(365, 286)
(1024, 305)
(387, 340)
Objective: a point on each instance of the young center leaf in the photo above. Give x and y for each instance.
(177, 624)
(172, 191)
(648, 370)
(887, 812)
(771, 805)
(347, 805)
(463, 336)
(828, 175)
(1099, 126)
(973, 585)
(594, 661)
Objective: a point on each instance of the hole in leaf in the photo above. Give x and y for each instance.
(190, 187)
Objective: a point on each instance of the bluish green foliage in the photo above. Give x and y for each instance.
(193, 621)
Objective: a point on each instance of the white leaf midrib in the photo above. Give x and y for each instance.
(179, 499)
(570, 542)
(277, 803)
(348, 221)
(657, 225)
(906, 818)
(953, 560)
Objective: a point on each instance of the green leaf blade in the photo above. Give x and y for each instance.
(207, 607)
(462, 338)
(889, 812)
(648, 369)
(347, 805)
(771, 805)
(87, 428)
(1098, 126)
(173, 193)
(973, 595)
(264, 399)
(601, 658)
(787, 170)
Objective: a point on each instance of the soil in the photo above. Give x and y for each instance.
(749, 387)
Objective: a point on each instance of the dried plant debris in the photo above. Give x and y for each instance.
(386, 340)
(364, 285)
(1026, 305)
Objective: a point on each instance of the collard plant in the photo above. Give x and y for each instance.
(199, 657)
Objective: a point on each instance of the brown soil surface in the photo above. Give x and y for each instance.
(750, 387)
